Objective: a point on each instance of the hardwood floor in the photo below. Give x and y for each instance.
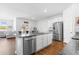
(7, 46)
(54, 49)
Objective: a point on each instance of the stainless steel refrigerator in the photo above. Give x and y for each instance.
(58, 31)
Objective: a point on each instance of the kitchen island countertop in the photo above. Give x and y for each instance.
(31, 35)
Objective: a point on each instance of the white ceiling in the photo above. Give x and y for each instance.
(37, 10)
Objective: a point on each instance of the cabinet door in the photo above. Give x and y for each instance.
(49, 39)
(38, 43)
(45, 39)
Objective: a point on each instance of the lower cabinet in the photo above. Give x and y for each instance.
(50, 39)
(19, 46)
(39, 43)
(25, 46)
(43, 41)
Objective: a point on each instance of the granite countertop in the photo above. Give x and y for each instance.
(31, 35)
(26, 36)
(76, 36)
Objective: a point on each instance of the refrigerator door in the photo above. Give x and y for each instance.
(58, 31)
(55, 31)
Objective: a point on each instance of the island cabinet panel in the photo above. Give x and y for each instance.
(26, 45)
(19, 46)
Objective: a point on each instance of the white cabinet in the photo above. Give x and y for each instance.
(50, 39)
(43, 41)
(19, 46)
(29, 45)
(26, 45)
(39, 42)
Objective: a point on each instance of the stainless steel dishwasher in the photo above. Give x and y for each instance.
(29, 45)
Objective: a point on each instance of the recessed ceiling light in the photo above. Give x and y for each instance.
(45, 10)
(32, 17)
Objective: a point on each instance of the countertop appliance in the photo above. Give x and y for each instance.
(58, 31)
(34, 31)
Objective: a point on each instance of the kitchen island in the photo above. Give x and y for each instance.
(28, 44)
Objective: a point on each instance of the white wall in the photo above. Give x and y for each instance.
(19, 23)
(9, 13)
(43, 25)
(32, 24)
(69, 22)
(70, 28)
(76, 15)
(69, 16)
